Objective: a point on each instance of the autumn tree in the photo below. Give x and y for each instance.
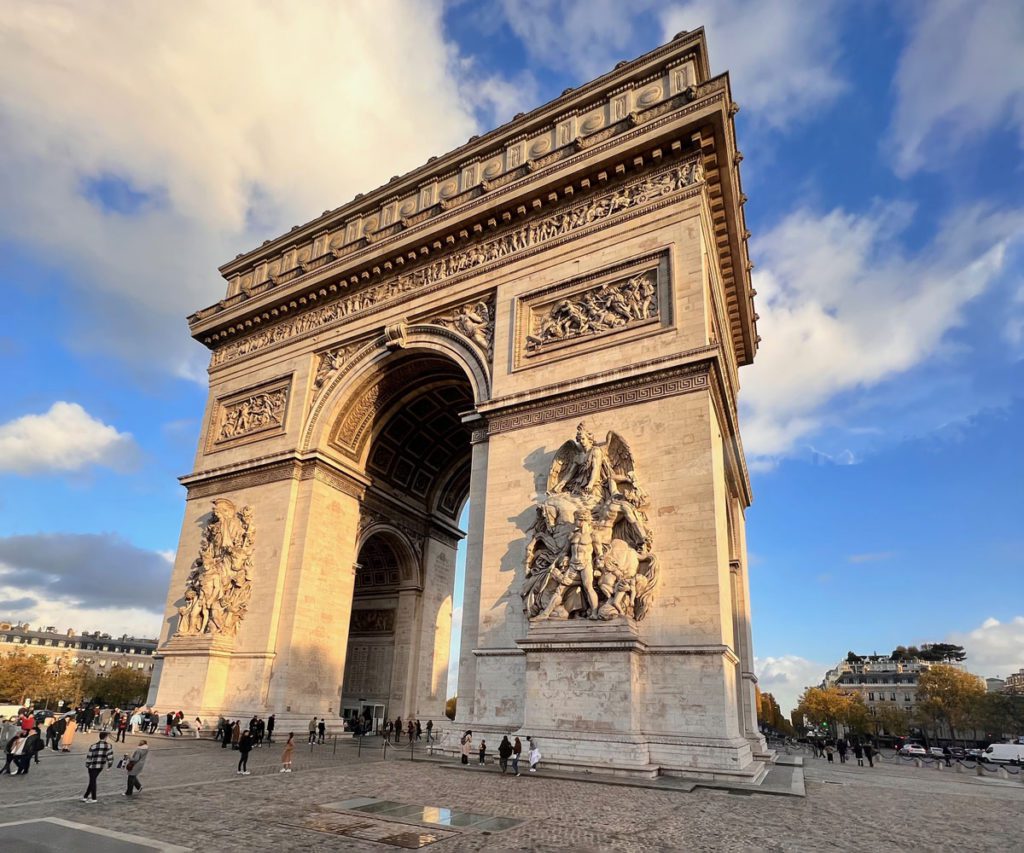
(122, 687)
(830, 706)
(23, 676)
(891, 720)
(948, 695)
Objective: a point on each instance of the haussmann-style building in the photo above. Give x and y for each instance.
(547, 322)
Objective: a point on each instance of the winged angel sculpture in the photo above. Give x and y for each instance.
(590, 555)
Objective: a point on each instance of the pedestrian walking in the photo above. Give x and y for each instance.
(467, 746)
(286, 755)
(99, 758)
(270, 728)
(828, 752)
(261, 731)
(534, 757)
(398, 729)
(869, 754)
(517, 750)
(33, 744)
(312, 730)
(122, 728)
(841, 749)
(244, 748)
(411, 730)
(419, 731)
(12, 751)
(321, 731)
(504, 753)
(483, 752)
(236, 735)
(135, 765)
(858, 753)
(430, 731)
(197, 727)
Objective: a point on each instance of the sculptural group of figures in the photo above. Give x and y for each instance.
(591, 551)
(218, 588)
(609, 306)
(253, 413)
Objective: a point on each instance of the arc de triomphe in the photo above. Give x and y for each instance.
(548, 322)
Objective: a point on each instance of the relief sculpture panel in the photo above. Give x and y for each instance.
(591, 553)
(249, 415)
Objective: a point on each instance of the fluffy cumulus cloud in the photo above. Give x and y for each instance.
(66, 438)
(146, 143)
(780, 54)
(85, 574)
(994, 648)
(961, 73)
(786, 677)
(845, 305)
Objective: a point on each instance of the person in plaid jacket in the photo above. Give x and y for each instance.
(99, 757)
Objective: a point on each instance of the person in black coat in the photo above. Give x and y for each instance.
(244, 748)
(504, 753)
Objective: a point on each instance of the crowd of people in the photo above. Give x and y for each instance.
(414, 731)
(507, 751)
(832, 747)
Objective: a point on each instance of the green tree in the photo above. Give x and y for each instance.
(948, 695)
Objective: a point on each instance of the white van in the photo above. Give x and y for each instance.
(1004, 753)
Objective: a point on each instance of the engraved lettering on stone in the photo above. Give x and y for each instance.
(613, 305)
(254, 413)
(565, 221)
(219, 586)
(590, 555)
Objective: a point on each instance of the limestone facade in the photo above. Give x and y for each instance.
(438, 340)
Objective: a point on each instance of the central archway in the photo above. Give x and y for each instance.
(403, 423)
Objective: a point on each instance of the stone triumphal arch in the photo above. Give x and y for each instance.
(547, 322)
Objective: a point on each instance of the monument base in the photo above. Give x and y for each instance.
(600, 699)
(193, 675)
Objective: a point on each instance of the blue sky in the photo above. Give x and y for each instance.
(882, 151)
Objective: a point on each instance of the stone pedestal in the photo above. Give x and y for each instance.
(603, 699)
(194, 675)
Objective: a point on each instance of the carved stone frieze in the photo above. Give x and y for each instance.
(329, 362)
(219, 587)
(376, 621)
(591, 552)
(609, 306)
(254, 413)
(249, 415)
(563, 221)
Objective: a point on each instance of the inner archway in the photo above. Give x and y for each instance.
(406, 426)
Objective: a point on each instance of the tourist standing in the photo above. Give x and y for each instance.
(467, 746)
(69, 735)
(869, 754)
(841, 748)
(270, 729)
(135, 765)
(410, 730)
(321, 731)
(289, 751)
(534, 757)
(198, 727)
(828, 752)
(56, 732)
(236, 735)
(122, 727)
(483, 752)
(244, 748)
(99, 757)
(430, 731)
(517, 750)
(504, 753)
(312, 730)
(858, 753)
(419, 730)
(398, 729)
(169, 725)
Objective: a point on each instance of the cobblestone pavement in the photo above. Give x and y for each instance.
(193, 797)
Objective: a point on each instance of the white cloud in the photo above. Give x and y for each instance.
(786, 677)
(994, 648)
(961, 74)
(845, 305)
(62, 615)
(781, 54)
(66, 438)
(228, 121)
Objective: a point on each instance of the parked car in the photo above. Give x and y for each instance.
(936, 751)
(975, 753)
(913, 749)
(957, 752)
(1004, 753)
